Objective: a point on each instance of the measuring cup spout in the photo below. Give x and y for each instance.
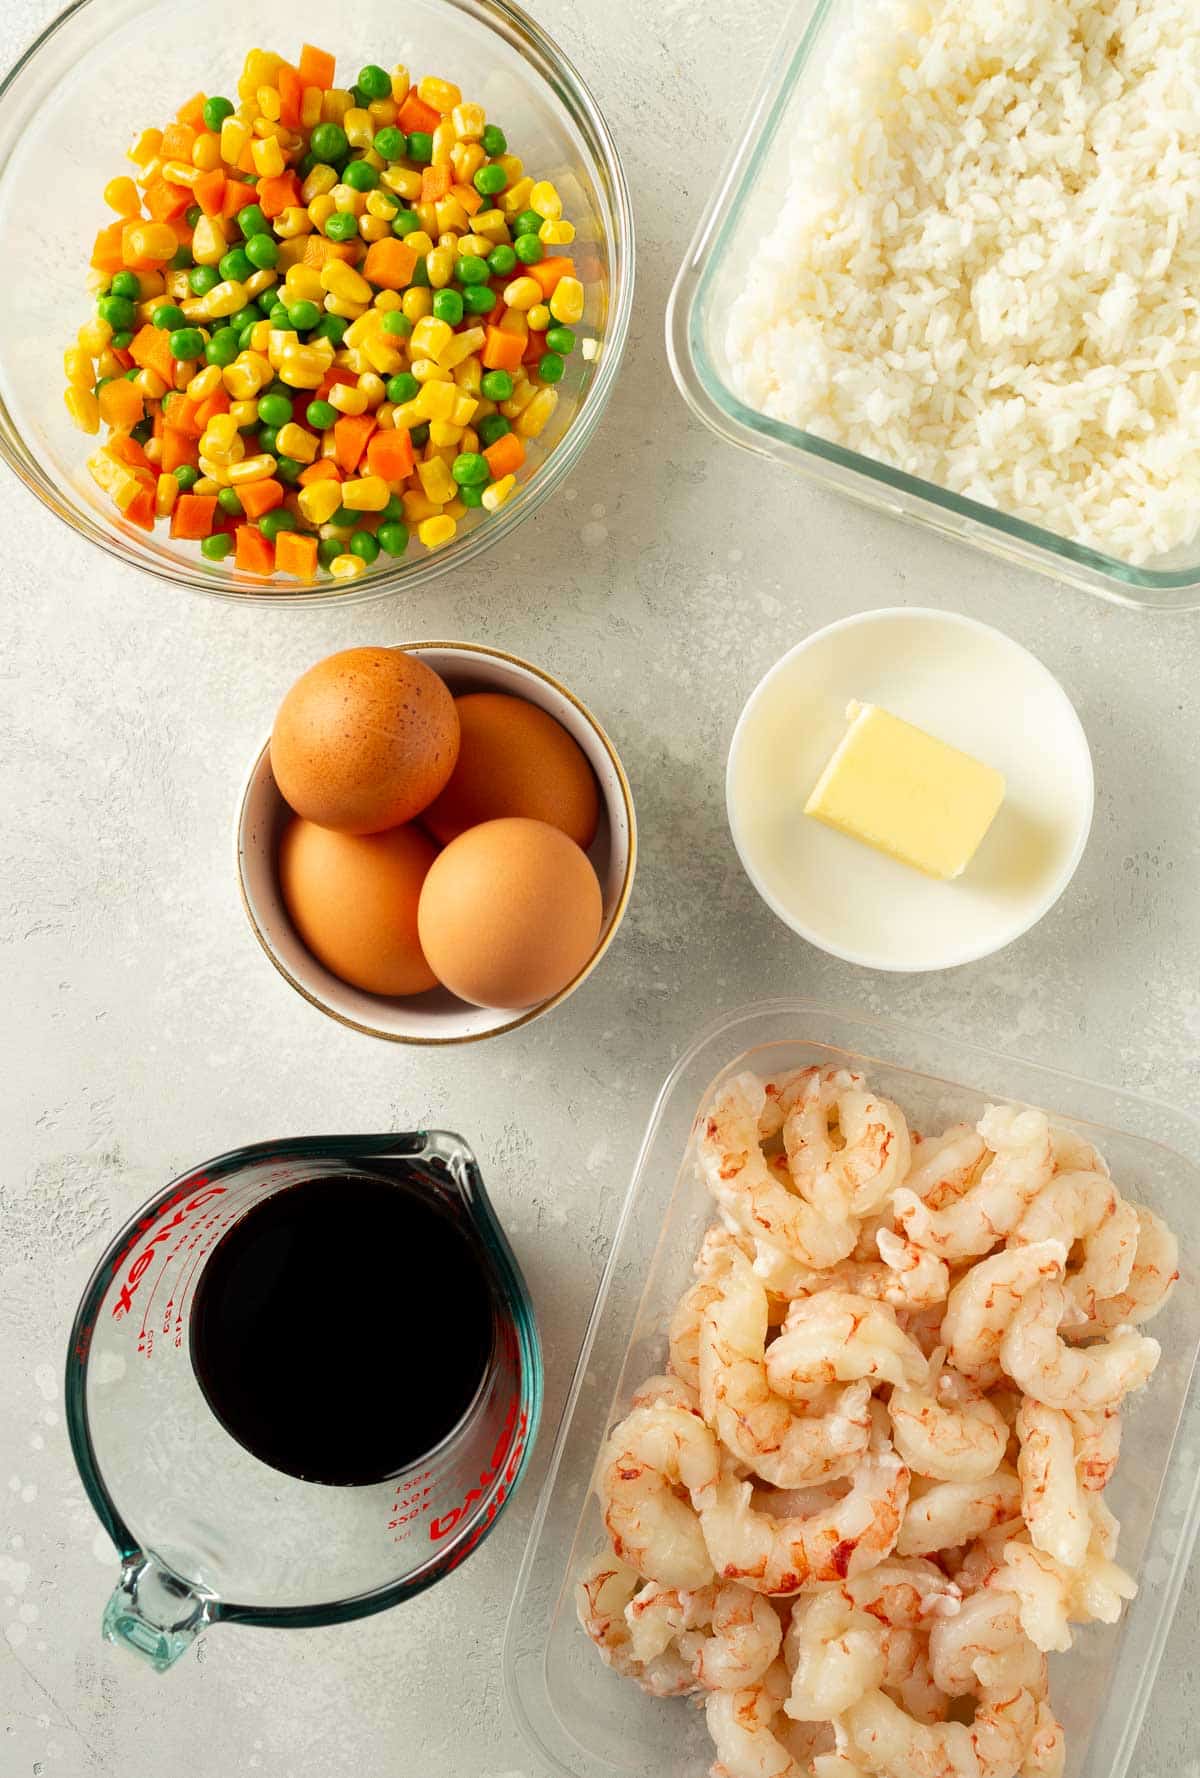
(154, 1613)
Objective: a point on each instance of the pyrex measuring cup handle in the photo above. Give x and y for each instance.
(154, 1613)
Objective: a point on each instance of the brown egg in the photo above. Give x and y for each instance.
(353, 901)
(364, 740)
(510, 913)
(515, 760)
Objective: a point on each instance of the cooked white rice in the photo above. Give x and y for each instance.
(986, 268)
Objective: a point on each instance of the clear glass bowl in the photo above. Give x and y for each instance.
(581, 1719)
(740, 213)
(105, 69)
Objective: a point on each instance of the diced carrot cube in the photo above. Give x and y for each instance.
(435, 184)
(505, 456)
(468, 197)
(127, 450)
(389, 263)
(180, 410)
(209, 191)
(316, 68)
(415, 114)
(192, 112)
(337, 373)
(278, 192)
(140, 510)
(236, 197)
(390, 454)
(178, 140)
(245, 160)
(254, 554)
(350, 435)
(296, 554)
(192, 515)
(260, 497)
(216, 403)
(321, 469)
(291, 87)
(165, 201)
(178, 450)
(502, 351)
(317, 250)
(106, 254)
(150, 348)
(549, 271)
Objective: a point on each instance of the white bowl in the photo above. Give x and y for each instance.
(438, 1016)
(964, 682)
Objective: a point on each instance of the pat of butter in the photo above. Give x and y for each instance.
(906, 793)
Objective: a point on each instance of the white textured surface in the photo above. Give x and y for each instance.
(143, 1030)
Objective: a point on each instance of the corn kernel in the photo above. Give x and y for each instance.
(121, 195)
(83, 408)
(382, 204)
(373, 228)
(372, 387)
(440, 266)
(152, 451)
(382, 356)
(427, 370)
(383, 112)
(234, 136)
(403, 181)
(347, 398)
(437, 483)
(265, 129)
(206, 382)
(94, 335)
(443, 433)
(146, 147)
(267, 156)
(295, 441)
(259, 281)
(209, 240)
(153, 240)
(538, 318)
(556, 234)
(435, 401)
(347, 567)
(149, 173)
(545, 200)
(516, 197)
(459, 347)
(261, 68)
(225, 299)
(440, 95)
(468, 375)
(532, 421)
(522, 294)
(468, 121)
(180, 173)
(303, 283)
(248, 373)
(243, 413)
(463, 411)
(385, 416)
(78, 367)
(443, 143)
(434, 532)
(340, 279)
(451, 218)
(429, 337)
(401, 81)
(341, 305)
(166, 493)
(320, 501)
(150, 384)
(302, 367)
(109, 365)
(321, 209)
(252, 469)
(310, 107)
(358, 127)
(523, 393)
(321, 179)
(279, 341)
(268, 101)
(293, 222)
(466, 158)
(370, 493)
(207, 485)
(426, 214)
(491, 226)
(566, 301)
(335, 104)
(206, 153)
(495, 496)
(220, 434)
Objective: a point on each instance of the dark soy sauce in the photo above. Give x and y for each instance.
(341, 1329)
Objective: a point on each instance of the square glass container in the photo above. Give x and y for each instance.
(739, 215)
(580, 1718)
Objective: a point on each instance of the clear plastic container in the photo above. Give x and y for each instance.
(578, 1716)
(740, 213)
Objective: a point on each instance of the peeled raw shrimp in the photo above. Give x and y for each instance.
(1097, 1445)
(740, 1724)
(1088, 1210)
(890, 1742)
(1039, 1362)
(726, 1636)
(1051, 1597)
(787, 1449)
(945, 1514)
(786, 1555)
(1152, 1279)
(732, 1162)
(838, 1337)
(652, 1453)
(666, 1392)
(658, 1617)
(983, 1645)
(1073, 1153)
(847, 1639)
(683, 1333)
(1053, 1501)
(944, 1167)
(1047, 1755)
(946, 1429)
(982, 1304)
(602, 1598)
(904, 1275)
(988, 1210)
(847, 1148)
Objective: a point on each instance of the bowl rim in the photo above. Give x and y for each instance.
(528, 1014)
(548, 64)
(970, 953)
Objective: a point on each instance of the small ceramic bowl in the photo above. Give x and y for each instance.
(964, 682)
(438, 1016)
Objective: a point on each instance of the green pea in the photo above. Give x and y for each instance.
(132, 373)
(471, 496)
(344, 519)
(328, 550)
(490, 180)
(392, 536)
(277, 520)
(342, 225)
(420, 435)
(223, 347)
(397, 323)
(469, 268)
(246, 337)
(363, 544)
(305, 166)
(262, 251)
(420, 147)
(186, 343)
(202, 279)
(268, 302)
(303, 315)
(404, 222)
(492, 427)
(320, 415)
(502, 261)
(448, 307)
(330, 143)
(391, 143)
(495, 142)
(181, 259)
(143, 432)
(251, 221)
(192, 215)
(497, 385)
(470, 469)
(187, 475)
(402, 387)
(101, 381)
(420, 275)
(118, 311)
(280, 317)
(527, 223)
(235, 266)
(167, 315)
(288, 469)
(375, 81)
(125, 284)
(560, 339)
(274, 409)
(360, 176)
(550, 367)
(332, 328)
(266, 439)
(393, 512)
(479, 299)
(528, 249)
(230, 501)
(216, 547)
(216, 110)
(121, 341)
(244, 317)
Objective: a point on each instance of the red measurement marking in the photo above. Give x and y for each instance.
(506, 1448)
(146, 1258)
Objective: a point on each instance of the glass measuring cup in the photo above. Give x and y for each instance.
(206, 1532)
